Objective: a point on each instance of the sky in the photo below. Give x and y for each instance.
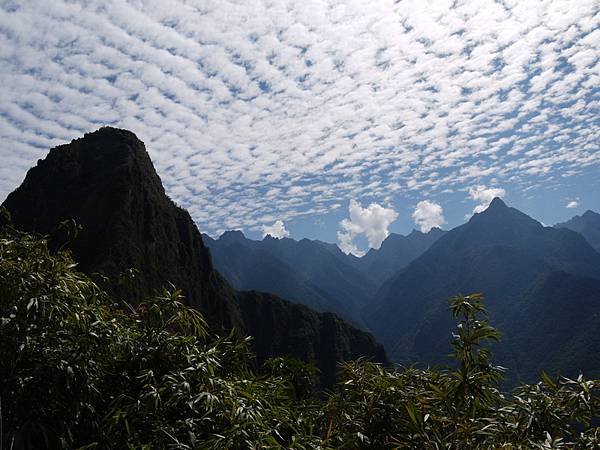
(334, 120)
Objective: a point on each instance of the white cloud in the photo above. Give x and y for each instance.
(277, 230)
(484, 196)
(372, 221)
(235, 100)
(572, 204)
(428, 215)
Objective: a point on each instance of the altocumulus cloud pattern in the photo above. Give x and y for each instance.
(257, 111)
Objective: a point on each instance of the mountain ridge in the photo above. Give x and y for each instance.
(106, 182)
(588, 225)
(501, 252)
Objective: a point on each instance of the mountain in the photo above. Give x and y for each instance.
(278, 329)
(395, 253)
(588, 225)
(559, 319)
(315, 273)
(304, 271)
(107, 184)
(500, 252)
(248, 267)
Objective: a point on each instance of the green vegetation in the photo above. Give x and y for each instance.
(80, 369)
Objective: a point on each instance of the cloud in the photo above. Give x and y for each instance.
(277, 230)
(428, 215)
(484, 196)
(307, 102)
(572, 204)
(373, 222)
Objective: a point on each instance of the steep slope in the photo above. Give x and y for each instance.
(559, 320)
(304, 271)
(500, 252)
(395, 253)
(279, 329)
(107, 184)
(338, 279)
(248, 266)
(588, 225)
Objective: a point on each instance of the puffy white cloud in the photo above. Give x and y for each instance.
(572, 204)
(372, 221)
(277, 230)
(484, 196)
(428, 215)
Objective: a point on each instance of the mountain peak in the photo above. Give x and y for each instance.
(106, 183)
(496, 203)
(503, 220)
(590, 214)
(232, 236)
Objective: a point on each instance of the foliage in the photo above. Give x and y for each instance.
(83, 370)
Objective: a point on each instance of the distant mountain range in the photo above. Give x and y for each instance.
(527, 271)
(106, 183)
(542, 284)
(315, 273)
(588, 225)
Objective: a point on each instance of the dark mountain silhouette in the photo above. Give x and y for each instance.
(558, 319)
(106, 183)
(588, 225)
(395, 253)
(500, 252)
(304, 271)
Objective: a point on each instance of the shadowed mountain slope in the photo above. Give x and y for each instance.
(106, 183)
(588, 225)
(500, 252)
(396, 252)
(302, 271)
(315, 273)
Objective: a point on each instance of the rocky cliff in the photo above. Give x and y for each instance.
(106, 183)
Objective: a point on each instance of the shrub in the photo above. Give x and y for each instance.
(80, 369)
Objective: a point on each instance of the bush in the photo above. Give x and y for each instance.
(83, 370)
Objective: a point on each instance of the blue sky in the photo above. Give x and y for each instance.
(336, 120)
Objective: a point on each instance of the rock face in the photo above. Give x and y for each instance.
(106, 183)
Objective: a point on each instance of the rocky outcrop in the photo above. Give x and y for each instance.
(105, 182)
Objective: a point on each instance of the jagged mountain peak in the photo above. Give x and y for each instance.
(503, 219)
(497, 202)
(106, 182)
(232, 236)
(588, 225)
